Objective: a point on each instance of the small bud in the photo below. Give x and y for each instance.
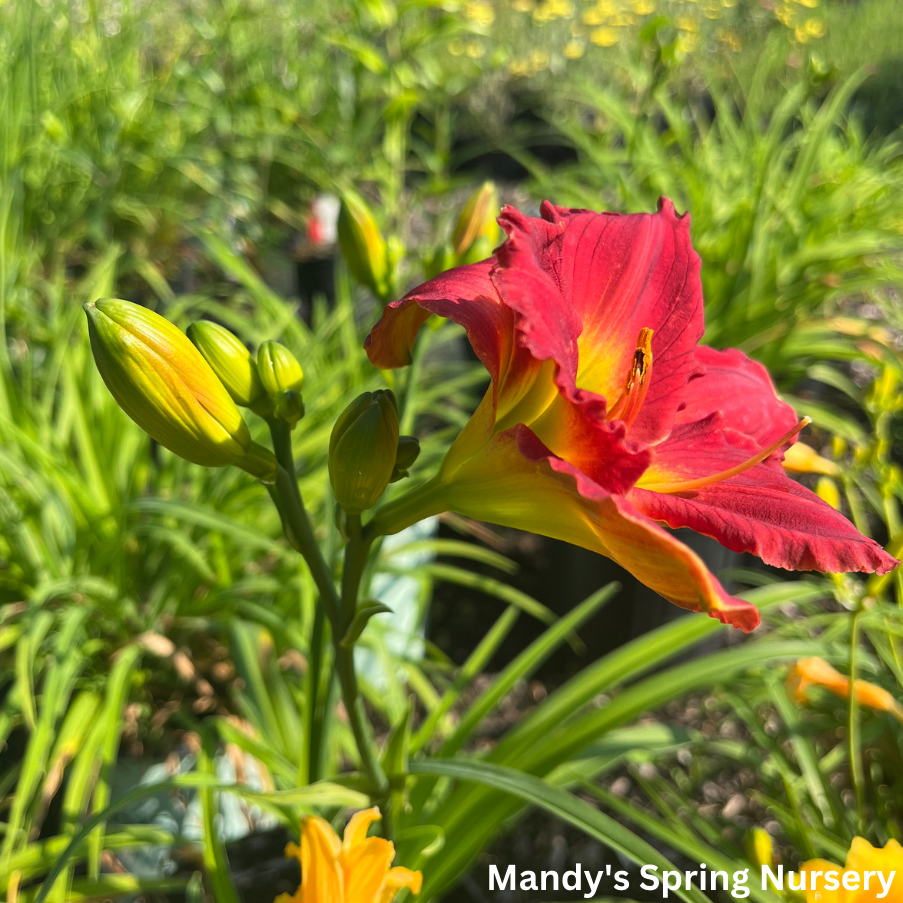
(289, 407)
(759, 847)
(408, 451)
(279, 369)
(477, 221)
(826, 489)
(164, 384)
(802, 458)
(362, 450)
(231, 361)
(362, 245)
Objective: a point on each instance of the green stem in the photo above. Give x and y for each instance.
(339, 610)
(356, 553)
(857, 774)
(408, 400)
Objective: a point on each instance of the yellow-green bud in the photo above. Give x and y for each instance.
(827, 491)
(408, 451)
(362, 244)
(362, 450)
(232, 363)
(759, 847)
(164, 384)
(279, 369)
(477, 221)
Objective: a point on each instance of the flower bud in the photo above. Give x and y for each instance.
(408, 451)
(288, 406)
(442, 259)
(826, 489)
(477, 221)
(279, 369)
(231, 361)
(362, 450)
(802, 458)
(164, 384)
(362, 245)
(759, 847)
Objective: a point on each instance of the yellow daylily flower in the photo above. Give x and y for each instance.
(357, 869)
(817, 672)
(862, 858)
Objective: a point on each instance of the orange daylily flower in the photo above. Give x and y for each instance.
(810, 672)
(357, 869)
(863, 858)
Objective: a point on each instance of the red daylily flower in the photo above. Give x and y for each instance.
(605, 418)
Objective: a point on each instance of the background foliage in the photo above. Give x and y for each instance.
(170, 154)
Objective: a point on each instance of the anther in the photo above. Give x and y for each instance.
(628, 406)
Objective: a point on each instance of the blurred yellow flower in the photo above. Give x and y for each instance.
(862, 858)
(644, 7)
(475, 50)
(604, 37)
(809, 672)
(827, 491)
(573, 50)
(479, 12)
(356, 870)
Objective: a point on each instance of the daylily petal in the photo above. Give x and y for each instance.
(321, 876)
(357, 827)
(398, 878)
(366, 865)
(465, 295)
(515, 482)
(741, 390)
(585, 285)
(762, 510)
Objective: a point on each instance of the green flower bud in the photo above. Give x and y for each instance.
(408, 451)
(362, 245)
(279, 369)
(477, 220)
(232, 363)
(164, 384)
(362, 450)
(289, 407)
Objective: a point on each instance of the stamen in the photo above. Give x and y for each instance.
(690, 485)
(627, 407)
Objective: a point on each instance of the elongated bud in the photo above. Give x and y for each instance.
(476, 222)
(164, 384)
(827, 491)
(408, 451)
(231, 361)
(802, 458)
(759, 847)
(362, 450)
(362, 244)
(279, 369)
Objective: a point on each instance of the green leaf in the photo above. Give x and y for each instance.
(556, 802)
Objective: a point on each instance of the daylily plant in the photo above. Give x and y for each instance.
(606, 420)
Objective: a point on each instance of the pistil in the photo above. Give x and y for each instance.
(690, 485)
(628, 406)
